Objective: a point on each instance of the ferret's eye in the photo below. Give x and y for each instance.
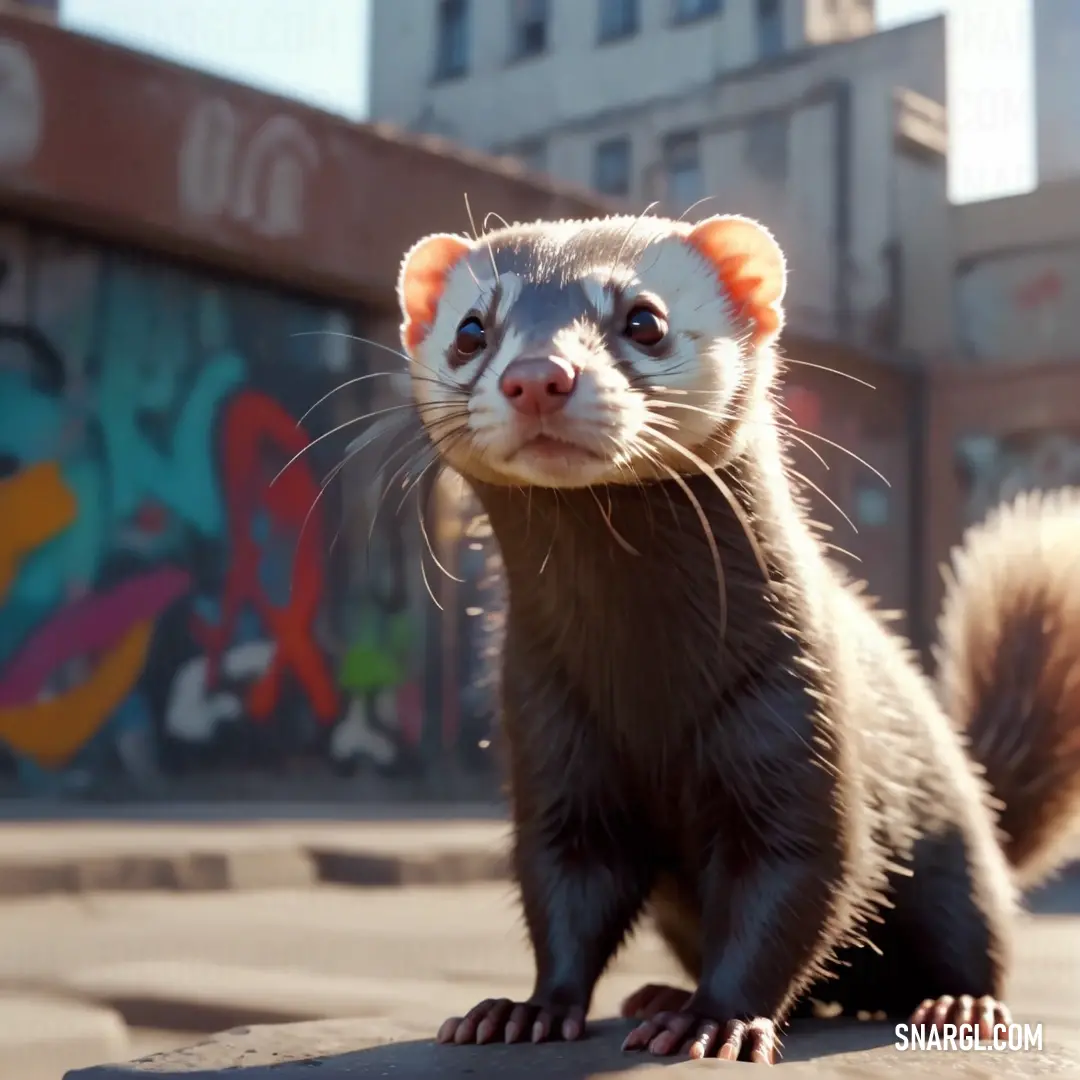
(470, 338)
(645, 326)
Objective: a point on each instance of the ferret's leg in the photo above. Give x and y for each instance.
(774, 897)
(584, 865)
(678, 922)
(955, 915)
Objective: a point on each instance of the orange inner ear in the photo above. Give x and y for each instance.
(423, 279)
(750, 267)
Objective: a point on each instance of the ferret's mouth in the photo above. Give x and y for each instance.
(554, 449)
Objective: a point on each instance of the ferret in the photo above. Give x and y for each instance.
(703, 717)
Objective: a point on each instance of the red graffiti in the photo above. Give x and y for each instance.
(804, 407)
(1044, 289)
(259, 437)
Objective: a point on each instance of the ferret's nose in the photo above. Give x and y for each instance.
(537, 386)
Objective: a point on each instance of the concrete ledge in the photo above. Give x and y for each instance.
(367, 1048)
(342, 866)
(39, 859)
(41, 1037)
(285, 867)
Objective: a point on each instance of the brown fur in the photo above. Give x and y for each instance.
(1009, 668)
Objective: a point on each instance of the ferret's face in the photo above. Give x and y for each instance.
(570, 354)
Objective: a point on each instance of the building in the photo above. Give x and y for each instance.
(792, 111)
(1056, 44)
(184, 264)
(494, 73)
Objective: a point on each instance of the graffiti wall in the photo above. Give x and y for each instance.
(1020, 305)
(174, 599)
(995, 469)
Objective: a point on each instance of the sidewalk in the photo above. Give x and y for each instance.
(299, 847)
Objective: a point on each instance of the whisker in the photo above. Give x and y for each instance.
(491, 253)
(619, 538)
(843, 449)
(626, 238)
(420, 515)
(693, 206)
(708, 471)
(710, 539)
(374, 344)
(333, 431)
(807, 447)
(342, 386)
(476, 237)
(427, 584)
(831, 371)
(373, 434)
(809, 483)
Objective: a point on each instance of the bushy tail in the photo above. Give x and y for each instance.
(1008, 668)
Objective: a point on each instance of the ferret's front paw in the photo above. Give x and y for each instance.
(700, 1035)
(508, 1021)
(985, 1013)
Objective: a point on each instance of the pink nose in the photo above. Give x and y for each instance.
(537, 386)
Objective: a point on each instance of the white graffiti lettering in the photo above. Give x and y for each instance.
(194, 713)
(258, 181)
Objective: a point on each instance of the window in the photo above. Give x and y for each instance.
(452, 39)
(611, 167)
(532, 153)
(529, 28)
(767, 146)
(689, 10)
(682, 166)
(618, 19)
(770, 28)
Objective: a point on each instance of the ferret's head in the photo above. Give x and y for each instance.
(574, 353)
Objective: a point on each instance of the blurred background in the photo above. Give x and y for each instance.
(202, 210)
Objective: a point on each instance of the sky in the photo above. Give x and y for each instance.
(316, 51)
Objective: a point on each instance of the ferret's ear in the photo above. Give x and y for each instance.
(421, 282)
(749, 265)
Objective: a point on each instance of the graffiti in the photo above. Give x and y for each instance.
(21, 109)
(259, 181)
(378, 671)
(180, 591)
(252, 423)
(1020, 306)
(996, 469)
(155, 586)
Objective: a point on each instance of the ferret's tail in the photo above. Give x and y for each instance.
(1008, 668)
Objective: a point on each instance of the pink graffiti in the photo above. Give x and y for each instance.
(93, 624)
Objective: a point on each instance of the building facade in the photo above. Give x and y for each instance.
(1056, 44)
(792, 112)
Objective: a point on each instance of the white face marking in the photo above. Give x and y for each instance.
(708, 359)
(600, 294)
(606, 422)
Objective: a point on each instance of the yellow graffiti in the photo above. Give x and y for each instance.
(53, 731)
(35, 505)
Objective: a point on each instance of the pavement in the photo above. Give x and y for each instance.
(299, 971)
